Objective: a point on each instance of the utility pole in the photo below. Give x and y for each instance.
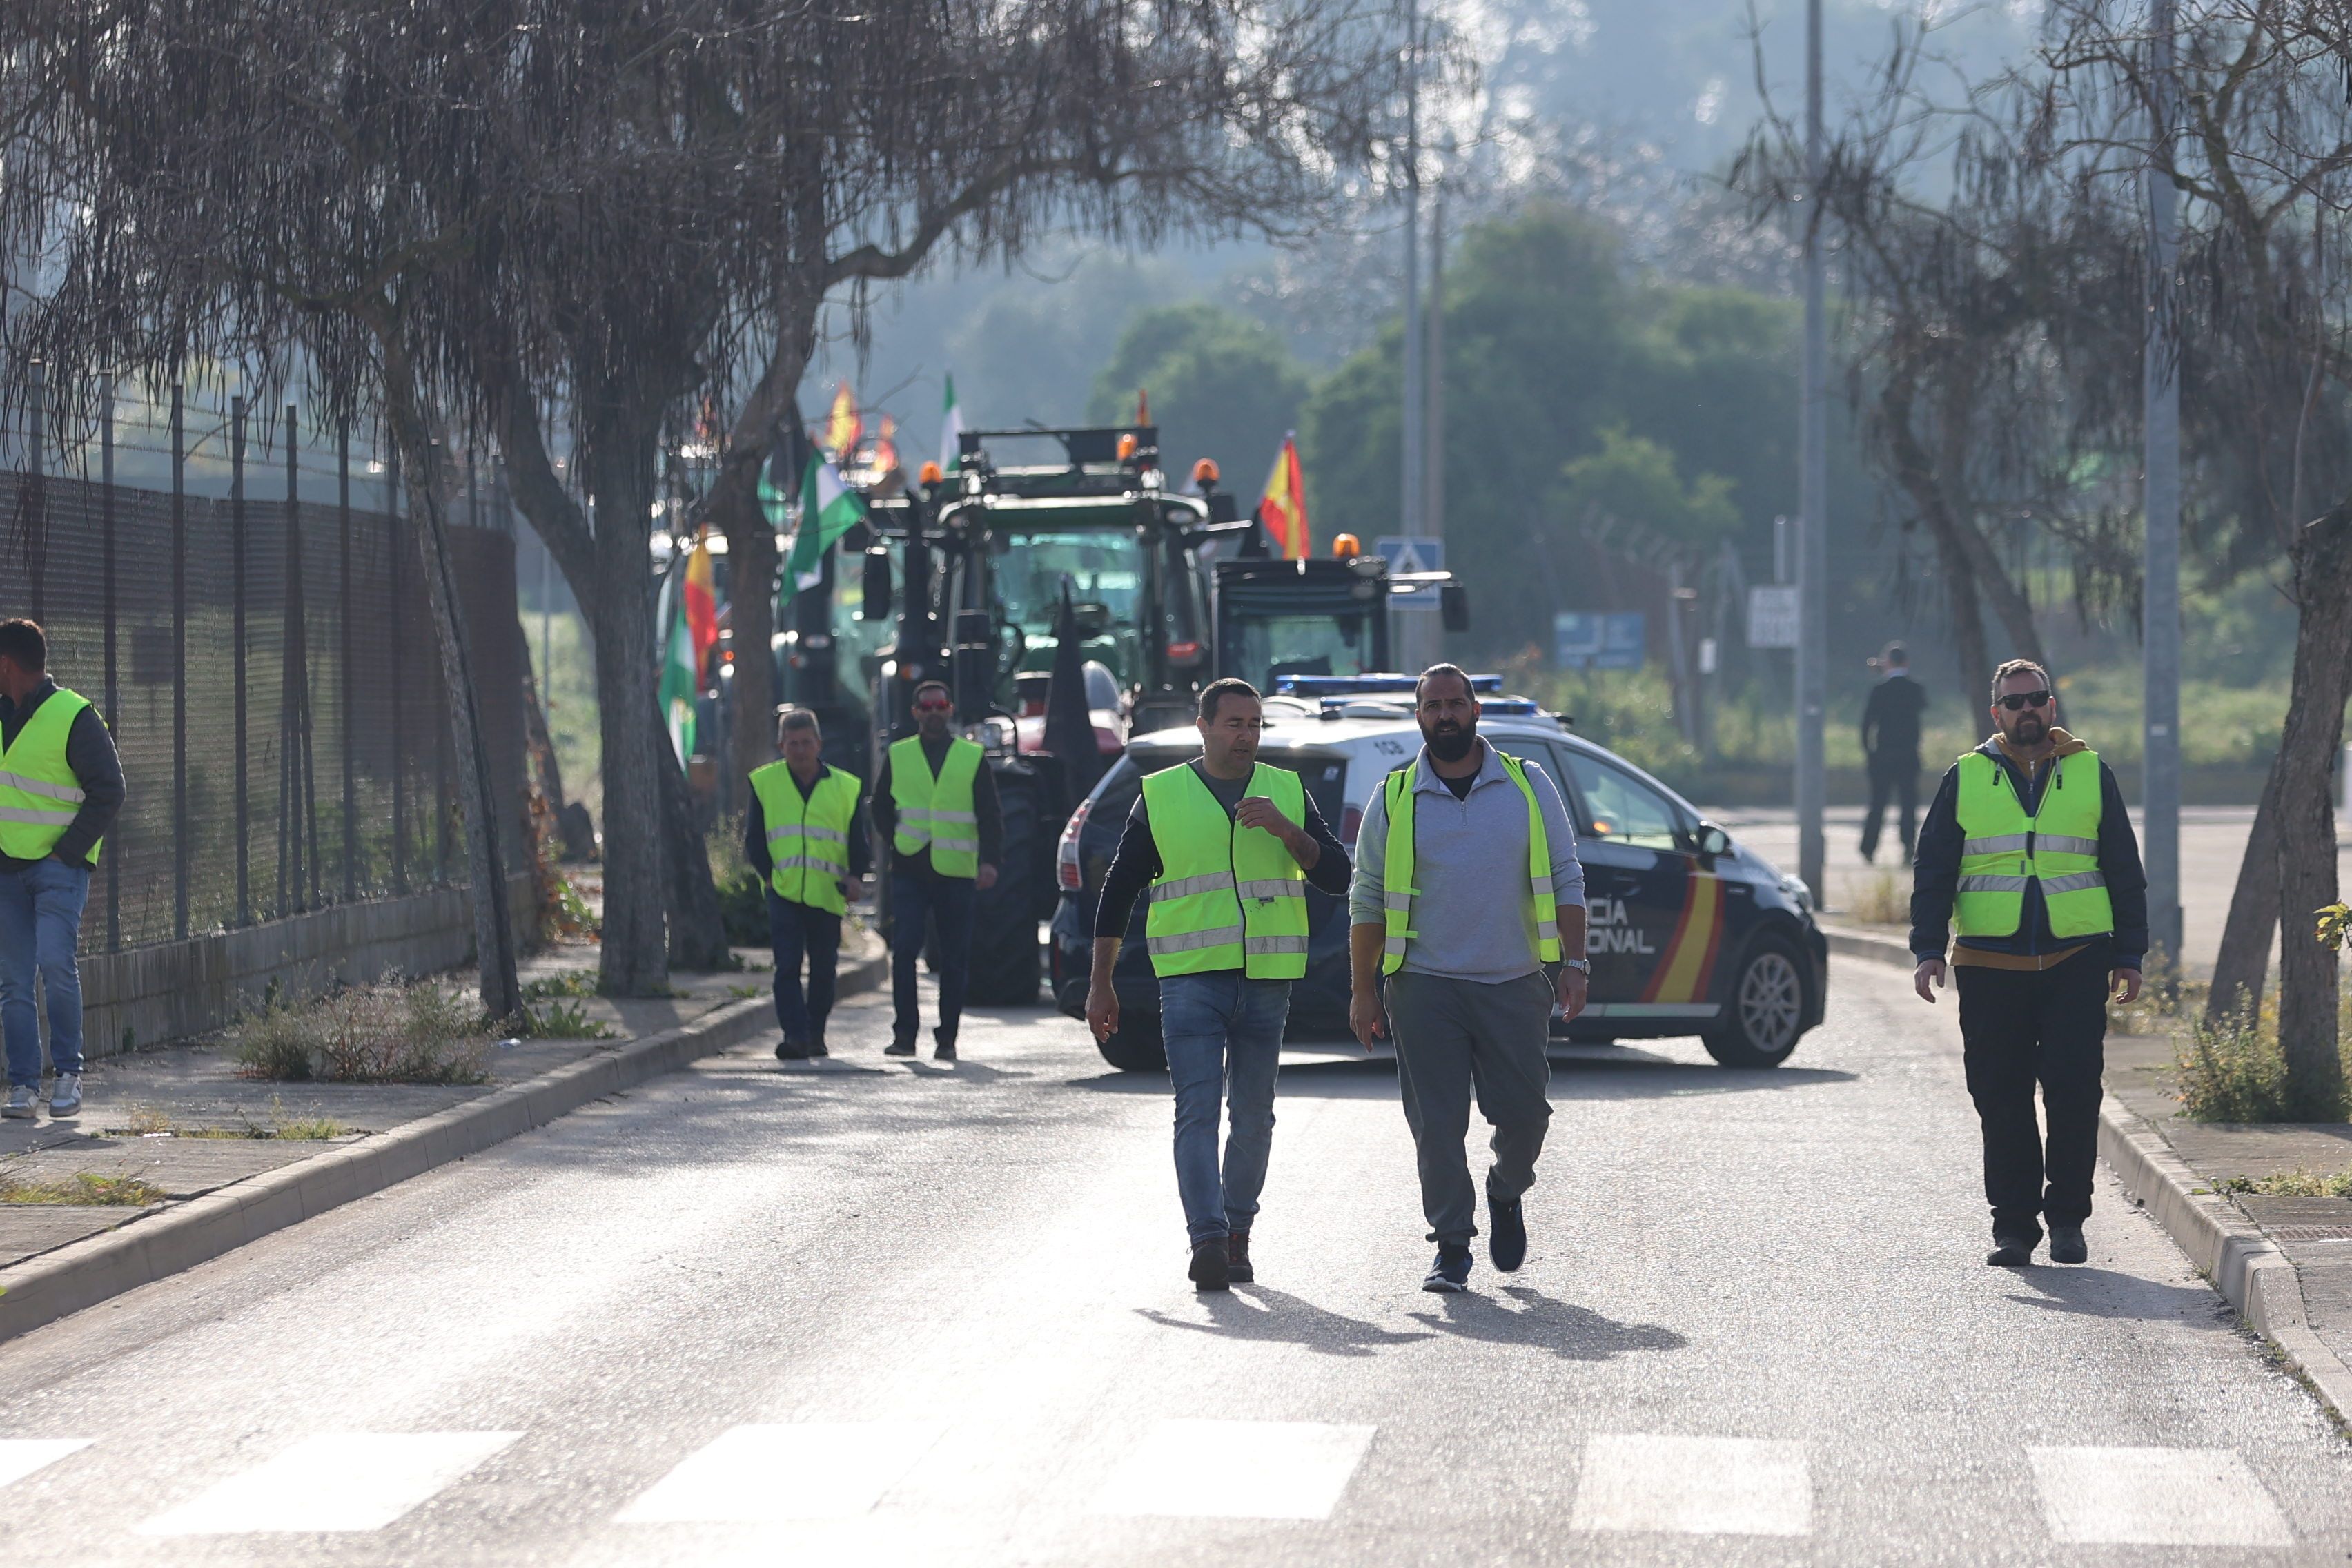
(1813, 485)
(1433, 368)
(2160, 598)
(1411, 485)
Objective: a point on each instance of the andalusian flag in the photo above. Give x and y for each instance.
(679, 685)
(951, 432)
(1282, 512)
(843, 427)
(702, 600)
(829, 509)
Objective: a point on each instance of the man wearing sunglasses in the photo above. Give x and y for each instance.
(2029, 846)
(935, 806)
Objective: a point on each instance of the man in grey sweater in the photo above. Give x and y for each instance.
(1469, 899)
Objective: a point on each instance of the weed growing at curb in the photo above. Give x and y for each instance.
(571, 982)
(390, 1032)
(1884, 900)
(2295, 1184)
(2230, 1071)
(84, 1191)
(558, 1021)
(742, 993)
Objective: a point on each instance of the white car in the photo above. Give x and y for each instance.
(1689, 932)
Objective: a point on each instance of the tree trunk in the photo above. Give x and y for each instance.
(698, 932)
(618, 603)
(2242, 967)
(501, 989)
(751, 563)
(2306, 839)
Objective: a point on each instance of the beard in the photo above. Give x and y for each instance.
(2031, 729)
(1449, 743)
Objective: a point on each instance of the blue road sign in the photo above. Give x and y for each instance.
(1413, 552)
(1589, 639)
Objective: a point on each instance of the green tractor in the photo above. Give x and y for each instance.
(971, 577)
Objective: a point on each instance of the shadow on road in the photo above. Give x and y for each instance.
(1248, 1313)
(2103, 1294)
(1545, 1322)
(1647, 1078)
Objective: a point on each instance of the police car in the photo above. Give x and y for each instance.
(1689, 934)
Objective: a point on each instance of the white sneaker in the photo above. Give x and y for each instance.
(64, 1097)
(23, 1102)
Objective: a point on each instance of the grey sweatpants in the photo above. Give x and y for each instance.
(1455, 1035)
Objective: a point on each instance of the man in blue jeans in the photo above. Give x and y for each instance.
(1229, 847)
(60, 787)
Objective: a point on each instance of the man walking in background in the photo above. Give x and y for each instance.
(1890, 748)
(936, 803)
(803, 836)
(1229, 846)
(2027, 844)
(61, 788)
(1467, 889)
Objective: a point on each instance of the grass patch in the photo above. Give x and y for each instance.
(579, 983)
(742, 993)
(2295, 1184)
(85, 1191)
(391, 1032)
(560, 1021)
(1885, 900)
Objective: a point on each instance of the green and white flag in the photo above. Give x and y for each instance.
(678, 683)
(951, 432)
(829, 509)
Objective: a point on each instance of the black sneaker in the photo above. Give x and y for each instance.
(1506, 1237)
(1451, 1272)
(1238, 1263)
(1210, 1269)
(2067, 1245)
(2013, 1251)
(791, 1051)
(816, 1048)
(900, 1047)
(944, 1053)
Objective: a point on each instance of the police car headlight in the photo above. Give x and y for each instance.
(1794, 889)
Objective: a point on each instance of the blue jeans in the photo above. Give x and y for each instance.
(946, 901)
(795, 929)
(1224, 1037)
(40, 923)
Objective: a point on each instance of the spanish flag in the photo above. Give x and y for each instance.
(1282, 512)
(843, 427)
(701, 601)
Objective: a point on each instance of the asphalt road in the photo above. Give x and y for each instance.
(872, 1312)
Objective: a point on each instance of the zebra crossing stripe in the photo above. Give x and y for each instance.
(1693, 1486)
(20, 1456)
(766, 1474)
(335, 1481)
(1238, 1469)
(2155, 1496)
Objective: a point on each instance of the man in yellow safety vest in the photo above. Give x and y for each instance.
(1229, 847)
(803, 835)
(2028, 844)
(935, 805)
(60, 787)
(1465, 927)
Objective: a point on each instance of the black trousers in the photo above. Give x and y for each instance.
(2019, 1027)
(797, 930)
(1889, 786)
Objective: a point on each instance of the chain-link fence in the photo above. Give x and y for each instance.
(265, 656)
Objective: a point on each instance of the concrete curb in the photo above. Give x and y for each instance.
(84, 1273)
(2253, 1274)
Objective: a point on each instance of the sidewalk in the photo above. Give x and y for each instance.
(167, 1131)
(2284, 1263)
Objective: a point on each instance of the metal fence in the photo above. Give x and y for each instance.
(266, 660)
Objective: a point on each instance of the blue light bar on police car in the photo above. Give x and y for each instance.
(1363, 685)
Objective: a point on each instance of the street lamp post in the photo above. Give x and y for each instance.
(1812, 477)
(2160, 598)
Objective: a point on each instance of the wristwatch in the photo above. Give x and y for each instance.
(1584, 964)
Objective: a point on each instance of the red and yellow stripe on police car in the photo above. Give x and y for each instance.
(1682, 974)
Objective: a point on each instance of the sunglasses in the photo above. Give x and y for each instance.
(933, 705)
(2017, 701)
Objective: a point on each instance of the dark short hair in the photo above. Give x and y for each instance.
(923, 686)
(1895, 654)
(2018, 666)
(1456, 670)
(1216, 691)
(796, 718)
(25, 642)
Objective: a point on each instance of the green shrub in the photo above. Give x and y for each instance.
(390, 1032)
(2295, 1184)
(743, 905)
(571, 982)
(561, 1021)
(2233, 1070)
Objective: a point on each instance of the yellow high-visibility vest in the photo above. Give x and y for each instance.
(939, 812)
(1397, 868)
(808, 838)
(39, 796)
(1227, 897)
(2058, 847)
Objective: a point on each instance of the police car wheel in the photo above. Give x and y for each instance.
(1764, 1013)
(1135, 1046)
